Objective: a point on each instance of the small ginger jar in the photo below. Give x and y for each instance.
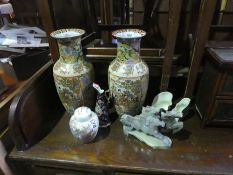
(84, 124)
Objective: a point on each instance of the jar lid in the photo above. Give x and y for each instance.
(82, 114)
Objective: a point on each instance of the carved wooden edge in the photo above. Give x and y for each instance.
(219, 44)
(173, 24)
(221, 28)
(13, 119)
(207, 10)
(219, 60)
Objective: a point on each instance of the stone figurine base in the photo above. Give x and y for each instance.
(153, 142)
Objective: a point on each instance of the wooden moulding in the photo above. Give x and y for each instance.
(152, 56)
(111, 51)
(221, 57)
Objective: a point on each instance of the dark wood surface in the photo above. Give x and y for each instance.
(194, 151)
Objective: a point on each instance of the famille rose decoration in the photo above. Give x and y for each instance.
(101, 107)
(73, 75)
(84, 124)
(128, 74)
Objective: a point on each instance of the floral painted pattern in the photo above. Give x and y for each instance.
(128, 75)
(128, 49)
(75, 91)
(73, 75)
(101, 109)
(128, 95)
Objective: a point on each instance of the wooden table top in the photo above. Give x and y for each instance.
(194, 151)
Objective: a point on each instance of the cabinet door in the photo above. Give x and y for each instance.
(222, 113)
(226, 85)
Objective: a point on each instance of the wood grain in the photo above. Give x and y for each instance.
(47, 21)
(194, 151)
(206, 14)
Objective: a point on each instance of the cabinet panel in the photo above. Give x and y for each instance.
(207, 89)
(222, 112)
(214, 99)
(226, 87)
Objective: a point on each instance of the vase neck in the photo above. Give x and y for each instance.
(128, 50)
(70, 49)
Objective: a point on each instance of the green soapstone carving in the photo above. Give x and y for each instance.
(156, 120)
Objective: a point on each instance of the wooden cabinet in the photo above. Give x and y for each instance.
(193, 151)
(214, 99)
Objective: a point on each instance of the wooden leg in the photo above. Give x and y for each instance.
(206, 14)
(47, 22)
(173, 24)
(106, 16)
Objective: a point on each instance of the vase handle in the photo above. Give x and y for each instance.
(108, 96)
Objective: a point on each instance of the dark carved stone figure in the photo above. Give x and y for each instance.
(101, 108)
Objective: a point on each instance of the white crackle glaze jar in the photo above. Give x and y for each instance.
(84, 124)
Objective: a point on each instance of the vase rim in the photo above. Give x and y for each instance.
(129, 33)
(67, 33)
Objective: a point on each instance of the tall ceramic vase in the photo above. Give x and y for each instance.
(128, 74)
(73, 75)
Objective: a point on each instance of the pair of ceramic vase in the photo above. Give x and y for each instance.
(128, 75)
